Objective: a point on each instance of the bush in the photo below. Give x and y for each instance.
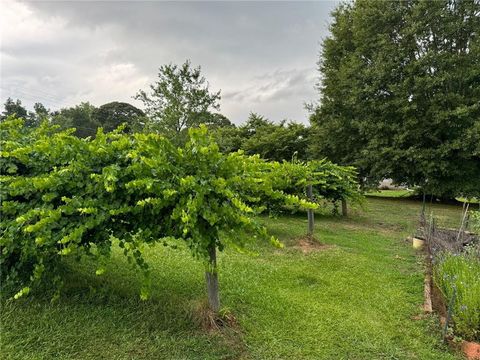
(459, 274)
(63, 196)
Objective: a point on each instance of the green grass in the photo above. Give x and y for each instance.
(404, 193)
(391, 193)
(403, 214)
(354, 300)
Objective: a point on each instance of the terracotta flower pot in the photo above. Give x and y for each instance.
(471, 350)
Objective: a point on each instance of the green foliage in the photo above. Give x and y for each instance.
(399, 94)
(278, 142)
(334, 182)
(261, 136)
(41, 112)
(460, 274)
(218, 121)
(64, 196)
(330, 181)
(180, 99)
(79, 117)
(16, 108)
(229, 139)
(112, 115)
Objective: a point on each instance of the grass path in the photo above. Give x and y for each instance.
(354, 300)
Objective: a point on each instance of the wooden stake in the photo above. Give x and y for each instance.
(310, 211)
(344, 207)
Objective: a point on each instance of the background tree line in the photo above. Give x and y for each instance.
(85, 117)
(258, 135)
(180, 99)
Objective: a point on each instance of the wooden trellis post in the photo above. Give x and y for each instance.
(344, 207)
(310, 211)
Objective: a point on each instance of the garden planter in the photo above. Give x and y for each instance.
(471, 350)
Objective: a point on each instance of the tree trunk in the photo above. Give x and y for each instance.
(310, 211)
(344, 207)
(211, 277)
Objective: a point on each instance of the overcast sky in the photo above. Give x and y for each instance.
(261, 55)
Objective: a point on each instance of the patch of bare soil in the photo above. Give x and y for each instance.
(308, 244)
(438, 302)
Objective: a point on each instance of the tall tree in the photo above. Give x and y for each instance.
(399, 93)
(179, 99)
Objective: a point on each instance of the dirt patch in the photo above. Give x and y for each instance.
(438, 302)
(308, 244)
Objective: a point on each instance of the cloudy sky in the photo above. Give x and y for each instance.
(261, 55)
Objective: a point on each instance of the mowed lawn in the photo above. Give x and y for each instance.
(359, 298)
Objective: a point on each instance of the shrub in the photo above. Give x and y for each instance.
(63, 196)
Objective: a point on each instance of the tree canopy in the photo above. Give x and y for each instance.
(31, 118)
(180, 99)
(12, 107)
(258, 135)
(16, 108)
(79, 117)
(112, 115)
(399, 93)
(67, 196)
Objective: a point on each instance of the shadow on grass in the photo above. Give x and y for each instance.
(118, 293)
(111, 321)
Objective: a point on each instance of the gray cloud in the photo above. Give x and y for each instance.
(279, 85)
(261, 55)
